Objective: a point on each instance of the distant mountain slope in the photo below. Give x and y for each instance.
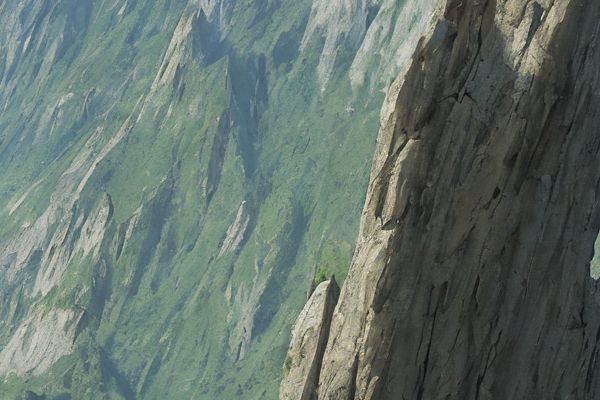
(174, 174)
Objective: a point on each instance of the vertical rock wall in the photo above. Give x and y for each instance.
(309, 338)
(471, 274)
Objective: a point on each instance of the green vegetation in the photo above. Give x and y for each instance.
(321, 276)
(288, 364)
(167, 314)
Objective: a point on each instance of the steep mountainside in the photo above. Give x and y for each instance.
(471, 274)
(174, 174)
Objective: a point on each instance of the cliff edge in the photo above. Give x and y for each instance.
(471, 275)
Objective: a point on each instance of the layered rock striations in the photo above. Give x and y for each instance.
(471, 274)
(309, 338)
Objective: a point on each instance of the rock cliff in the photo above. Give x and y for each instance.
(471, 276)
(309, 338)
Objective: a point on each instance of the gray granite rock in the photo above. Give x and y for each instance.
(471, 276)
(309, 338)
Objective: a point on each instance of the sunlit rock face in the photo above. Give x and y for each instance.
(379, 35)
(39, 342)
(309, 338)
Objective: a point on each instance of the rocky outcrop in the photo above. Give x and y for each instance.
(309, 338)
(393, 31)
(471, 276)
(39, 342)
(338, 23)
(84, 236)
(22, 249)
(236, 231)
(378, 35)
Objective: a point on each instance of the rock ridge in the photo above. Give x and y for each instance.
(309, 338)
(471, 275)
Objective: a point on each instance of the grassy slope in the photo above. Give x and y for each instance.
(164, 325)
